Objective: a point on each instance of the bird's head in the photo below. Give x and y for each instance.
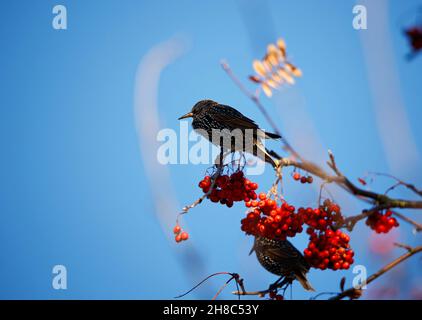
(198, 108)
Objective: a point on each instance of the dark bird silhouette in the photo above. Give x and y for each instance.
(283, 259)
(237, 132)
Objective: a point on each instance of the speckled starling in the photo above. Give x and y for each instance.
(210, 117)
(283, 259)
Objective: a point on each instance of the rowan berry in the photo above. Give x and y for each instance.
(177, 229)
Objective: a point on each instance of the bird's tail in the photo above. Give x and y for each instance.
(264, 154)
(301, 277)
(267, 135)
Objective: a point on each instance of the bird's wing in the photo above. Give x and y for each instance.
(284, 251)
(231, 118)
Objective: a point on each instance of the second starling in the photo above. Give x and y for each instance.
(283, 259)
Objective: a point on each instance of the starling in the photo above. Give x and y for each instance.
(280, 257)
(210, 117)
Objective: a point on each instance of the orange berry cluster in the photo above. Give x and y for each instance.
(269, 220)
(229, 189)
(302, 179)
(382, 223)
(274, 70)
(179, 234)
(329, 249)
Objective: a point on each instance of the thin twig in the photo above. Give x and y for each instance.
(404, 246)
(399, 183)
(261, 293)
(202, 281)
(418, 226)
(222, 288)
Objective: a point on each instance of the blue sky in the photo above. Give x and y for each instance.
(74, 189)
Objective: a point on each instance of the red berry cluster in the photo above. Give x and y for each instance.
(329, 249)
(382, 223)
(323, 217)
(302, 179)
(179, 234)
(269, 220)
(229, 189)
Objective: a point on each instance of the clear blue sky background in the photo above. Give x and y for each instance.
(73, 187)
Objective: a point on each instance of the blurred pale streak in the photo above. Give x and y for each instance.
(148, 125)
(391, 117)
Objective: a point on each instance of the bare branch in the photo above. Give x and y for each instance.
(378, 201)
(381, 200)
(339, 178)
(282, 282)
(350, 222)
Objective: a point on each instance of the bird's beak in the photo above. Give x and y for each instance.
(187, 115)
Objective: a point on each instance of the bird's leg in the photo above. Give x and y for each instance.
(276, 285)
(282, 283)
(278, 281)
(288, 284)
(219, 164)
(274, 154)
(221, 156)
(277, 160)
(219, 160)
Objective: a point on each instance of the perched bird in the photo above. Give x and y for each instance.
(210, 117)
(283, 259)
